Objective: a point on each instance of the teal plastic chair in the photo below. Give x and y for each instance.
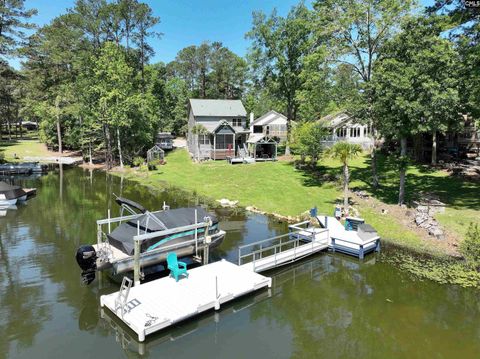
(176, 268)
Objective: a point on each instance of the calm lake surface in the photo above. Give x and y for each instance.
(329, 306)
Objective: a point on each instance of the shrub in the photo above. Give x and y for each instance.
(138, 161)
(2, 157)
(470, 247)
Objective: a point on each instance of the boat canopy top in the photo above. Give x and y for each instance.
(11, 192)
(125, 201)
(122, 236)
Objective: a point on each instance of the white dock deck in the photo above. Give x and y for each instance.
(158, 304)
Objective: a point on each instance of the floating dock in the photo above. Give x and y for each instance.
(152, 306)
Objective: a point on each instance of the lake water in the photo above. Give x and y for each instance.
(329, 306)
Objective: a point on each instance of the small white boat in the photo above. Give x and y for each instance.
(4, 202)
(9, 195)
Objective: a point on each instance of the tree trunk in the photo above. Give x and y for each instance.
(90, 153)
(120, 157)
(287, 142)
(59, 129)
(434, 148)
(403, 169)
(345, 188)
(374, 166)
(108, 155)
(9, 126)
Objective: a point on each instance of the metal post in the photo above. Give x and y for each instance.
(196, 235)
(205, 253)
(239, 256)
(109, 225)
(136, 265)
(99, 235)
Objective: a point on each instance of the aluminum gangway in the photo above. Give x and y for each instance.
(284, 249)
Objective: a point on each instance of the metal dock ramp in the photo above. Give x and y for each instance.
(152, 306)
(284, 249)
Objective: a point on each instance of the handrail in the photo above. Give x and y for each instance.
(277, 248)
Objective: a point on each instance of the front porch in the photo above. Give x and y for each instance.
(222, 143)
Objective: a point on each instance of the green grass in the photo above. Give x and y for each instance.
(272, 187)
(22, 148)
(280, 188)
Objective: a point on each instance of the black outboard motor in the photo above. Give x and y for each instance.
(87, 261)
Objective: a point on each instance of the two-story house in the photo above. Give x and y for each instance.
(271, 125)
(216, 128)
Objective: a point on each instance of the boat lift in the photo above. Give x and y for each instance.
(212, 284)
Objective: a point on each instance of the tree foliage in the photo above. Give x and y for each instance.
(344, 152)
(306, 141)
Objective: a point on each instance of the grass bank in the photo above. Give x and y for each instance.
(281, 188)
(15, 150)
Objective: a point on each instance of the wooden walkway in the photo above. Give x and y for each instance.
(153, 306)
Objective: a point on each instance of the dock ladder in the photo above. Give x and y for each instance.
(121, 300)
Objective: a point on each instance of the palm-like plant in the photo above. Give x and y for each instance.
(198, 130)
(344, 152)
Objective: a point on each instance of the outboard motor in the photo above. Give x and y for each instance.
(87, 260)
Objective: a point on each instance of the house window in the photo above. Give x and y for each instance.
(257, 129)
(237, 122)
(342, 132)
(204, 139)
(355, 132)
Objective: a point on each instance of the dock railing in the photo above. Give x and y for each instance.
(253, 252)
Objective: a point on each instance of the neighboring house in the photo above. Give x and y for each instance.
(343, 127)
(164, 140)
(271, 125)
(225, 125)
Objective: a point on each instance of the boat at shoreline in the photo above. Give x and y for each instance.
(185, 231)
(10, 194)
(24, 168)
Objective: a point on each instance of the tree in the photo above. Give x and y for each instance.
(470, 246)
(199, 130)
(415, 86)
(355, 32)
(113, 89)
(145, 21)
(344, 152)
(13, 18)
(277, 54)
(228, 73)
(307, 139)
(211, 71)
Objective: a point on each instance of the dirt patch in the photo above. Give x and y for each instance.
(406, 217)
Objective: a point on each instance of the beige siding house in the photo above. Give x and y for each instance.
(224, 122)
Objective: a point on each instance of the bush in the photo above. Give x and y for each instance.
(138, 161)
(470, 247)
(2, 157)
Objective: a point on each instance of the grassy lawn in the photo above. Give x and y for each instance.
(280, 188)
(22, 148)
(272, 187)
